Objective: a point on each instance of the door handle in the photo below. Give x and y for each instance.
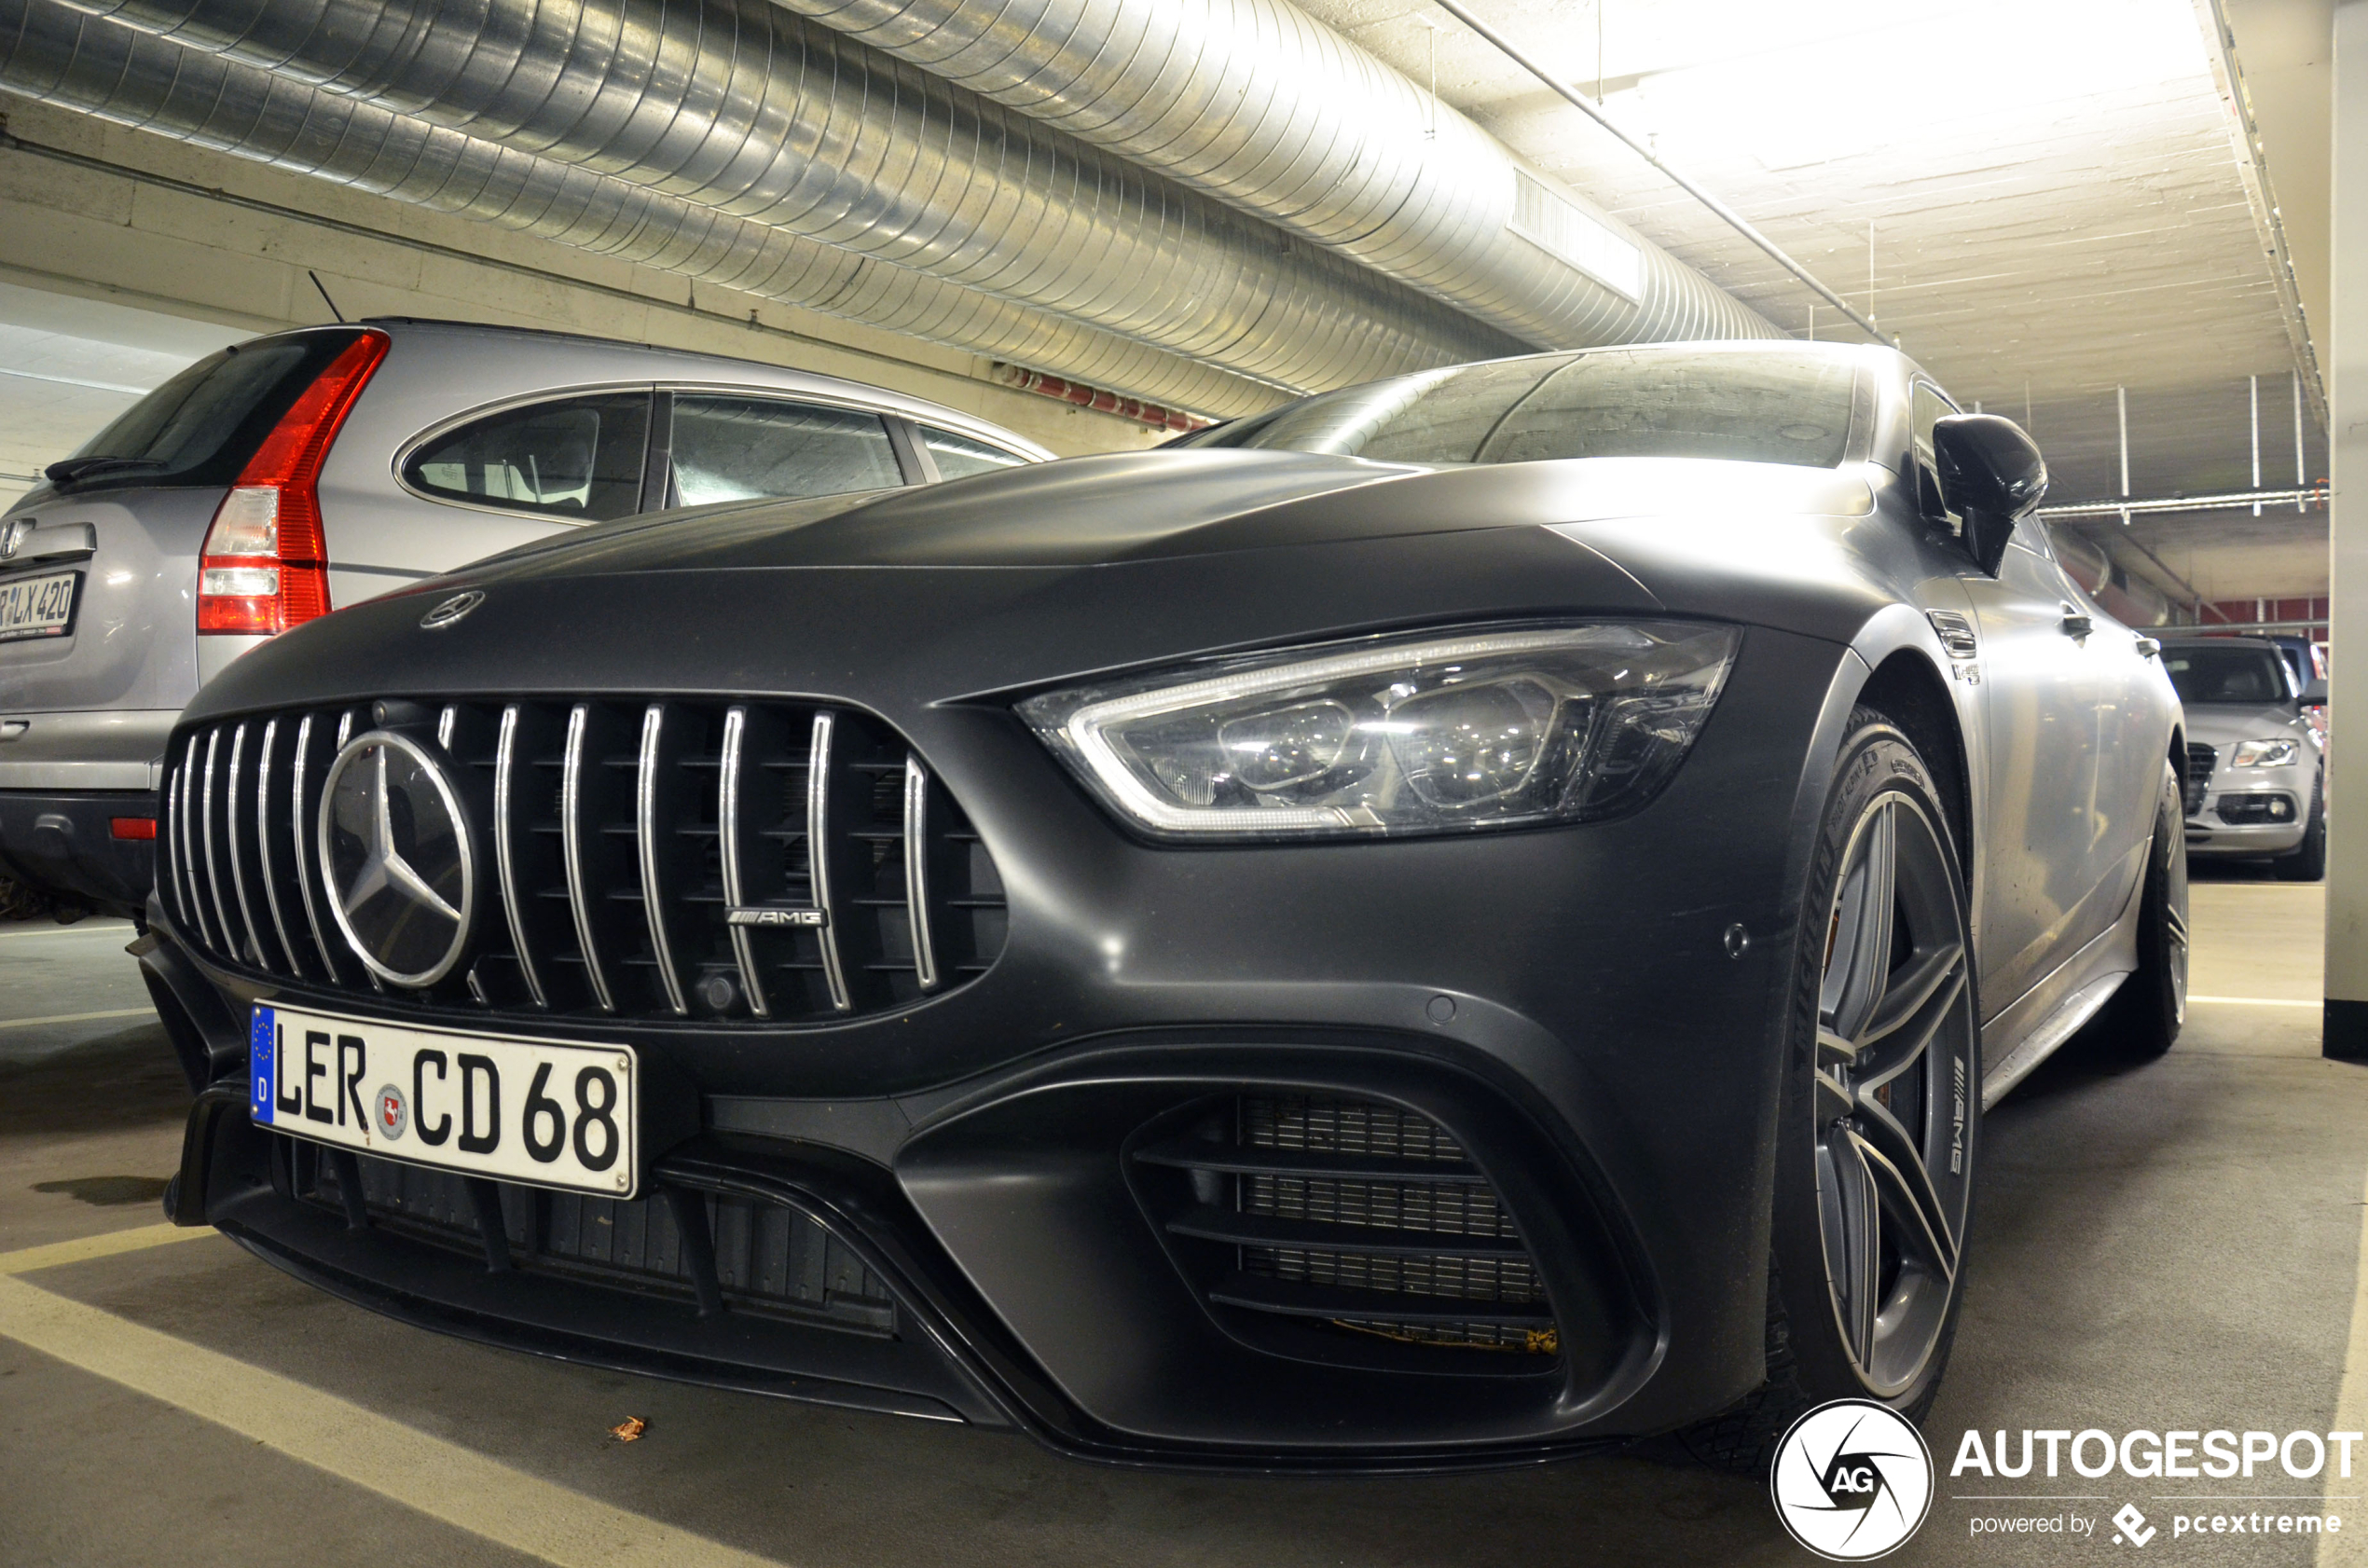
(2075, 624)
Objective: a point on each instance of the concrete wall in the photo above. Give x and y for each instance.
(110, 233)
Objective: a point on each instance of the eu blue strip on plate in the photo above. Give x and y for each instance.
(262, 1062)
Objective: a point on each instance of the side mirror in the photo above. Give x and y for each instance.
(2314, 695)
(1992, 475)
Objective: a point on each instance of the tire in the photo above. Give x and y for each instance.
(2309, 863)
(2146, 1014)
(1879, 1113)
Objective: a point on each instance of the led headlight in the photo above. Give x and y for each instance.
(1438, 732)
(2265, 753)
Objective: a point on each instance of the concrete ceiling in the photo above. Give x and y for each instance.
(2043, 200)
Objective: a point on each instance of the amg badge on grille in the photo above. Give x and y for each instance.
(814, 918)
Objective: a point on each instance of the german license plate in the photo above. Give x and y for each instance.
(38, 606)
(535, 1111)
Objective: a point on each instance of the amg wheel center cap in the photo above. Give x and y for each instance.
(396, 853)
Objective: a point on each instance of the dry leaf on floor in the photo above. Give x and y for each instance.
(630, 1428)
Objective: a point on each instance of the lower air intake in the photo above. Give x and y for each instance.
(726, 1253)
(1352, 1216)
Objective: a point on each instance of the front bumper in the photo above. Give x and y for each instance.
(1566, 1003)
(64, 844)
(2286, 791)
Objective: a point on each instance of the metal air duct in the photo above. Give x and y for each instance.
(739, 106)
(1263, 108)
(56, 55)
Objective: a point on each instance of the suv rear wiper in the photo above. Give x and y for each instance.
(67, 470)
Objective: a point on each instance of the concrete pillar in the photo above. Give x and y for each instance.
(2345, 360)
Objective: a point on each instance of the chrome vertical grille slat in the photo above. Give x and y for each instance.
(505, 857)
(860, 886)
(916, 869)
(727, 818)
(253, 950)
(263, 843)
(189, 826)
(298, 831)
(168, 869)
(177, 834)
(571, 808)
(818, 856)
(230, 946)
(651, 846)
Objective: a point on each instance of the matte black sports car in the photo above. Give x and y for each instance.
(1452, 923)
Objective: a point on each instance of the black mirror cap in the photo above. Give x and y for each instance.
(2315, 695)
(1992, 475)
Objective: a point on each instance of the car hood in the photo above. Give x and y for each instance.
(1164, 505)
(2224, 725)
(1079, 569)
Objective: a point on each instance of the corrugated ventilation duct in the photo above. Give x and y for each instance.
(739, 107)
(59, 55)
(1263, 108)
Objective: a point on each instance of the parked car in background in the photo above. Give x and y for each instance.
(283, 476)
(2257, 779)
(2309, 661)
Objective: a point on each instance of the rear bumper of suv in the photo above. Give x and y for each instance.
(64, 844)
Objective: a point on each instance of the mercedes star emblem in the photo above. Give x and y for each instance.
(451, 610)
(396, 853)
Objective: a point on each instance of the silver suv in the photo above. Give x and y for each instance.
(292, 474)
(2255, 763)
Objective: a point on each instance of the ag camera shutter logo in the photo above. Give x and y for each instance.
(1852, 1480)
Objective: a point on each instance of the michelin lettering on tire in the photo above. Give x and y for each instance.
(1852, 1480)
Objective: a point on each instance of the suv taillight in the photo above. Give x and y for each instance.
(264, 567)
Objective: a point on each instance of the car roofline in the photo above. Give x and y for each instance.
(902, 404)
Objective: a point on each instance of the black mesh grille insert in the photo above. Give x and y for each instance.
(2201, 760)
(1355, 1215)
(612, 840)
(768, 1259)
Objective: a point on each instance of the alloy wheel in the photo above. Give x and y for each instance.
(2175, 923)
(1895, 1092)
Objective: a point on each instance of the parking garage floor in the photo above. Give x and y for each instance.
(2168, 1246)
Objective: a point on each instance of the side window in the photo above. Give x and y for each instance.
(578, 460)
(747, 448)
(959, 457)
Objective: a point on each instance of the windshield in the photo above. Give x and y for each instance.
(202, 426)
(2229, 672)
(1744, 405)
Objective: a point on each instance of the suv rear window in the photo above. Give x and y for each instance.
(201, 427)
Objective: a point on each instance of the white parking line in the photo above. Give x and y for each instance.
(441, 1479)
(2257, 1001)
(106, 1243)
(123, 932)
(2350, 1549)
(77, 1017)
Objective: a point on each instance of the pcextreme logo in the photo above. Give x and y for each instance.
(1852, 1480)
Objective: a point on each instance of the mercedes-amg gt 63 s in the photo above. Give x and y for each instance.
(1455, 922)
